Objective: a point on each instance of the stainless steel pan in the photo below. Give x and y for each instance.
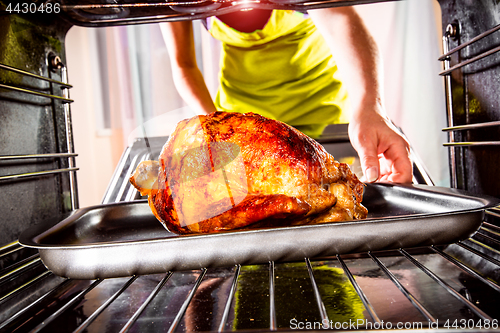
(124, 239)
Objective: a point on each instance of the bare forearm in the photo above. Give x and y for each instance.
(187, 77)
(356, 54)
(383, 153)
(192, 88)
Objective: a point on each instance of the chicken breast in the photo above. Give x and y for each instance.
(227, 171)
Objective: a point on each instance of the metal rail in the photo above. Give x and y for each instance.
(185, 305)
(33, 304)
(479, 253)
(37, 93)
(493, 212)
(36, 174)
(19, 267)
(317, 295)
(69, 138)
(471, 41)
(471, 126)
(56, 64)
(197, 12)
(272, 307)
(466, 269)
(470, 61)
(136, 315)
(10, 248)
(366, 303)
(450, 32)
(487, 227)
(110, 300)
(133, 5)
(491, 239)
(472, 143)
(66, 306)
(31, 156)
(24, 286)
(230, 298)
(400, 286)
(445, 285)
(335, 3)
(39, 77)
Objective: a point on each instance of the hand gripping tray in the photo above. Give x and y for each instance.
(124, 239)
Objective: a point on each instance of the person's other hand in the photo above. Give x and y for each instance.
(383, 152)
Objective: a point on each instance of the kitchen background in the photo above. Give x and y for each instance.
(134, 86)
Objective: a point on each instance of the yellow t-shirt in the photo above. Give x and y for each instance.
(284, 71)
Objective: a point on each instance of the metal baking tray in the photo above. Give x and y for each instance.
(124, 239)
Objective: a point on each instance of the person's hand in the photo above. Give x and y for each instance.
(383, 152)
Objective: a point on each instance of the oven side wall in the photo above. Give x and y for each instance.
(475, 90)
(30, 124)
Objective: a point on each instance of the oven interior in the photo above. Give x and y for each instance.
(453, 287)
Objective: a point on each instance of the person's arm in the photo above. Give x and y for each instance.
(186, 74)
(384, 153)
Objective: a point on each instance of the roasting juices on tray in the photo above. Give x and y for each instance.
(227, 171)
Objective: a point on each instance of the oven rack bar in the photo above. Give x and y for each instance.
(317, 295)
(199, 10)
(465, 268)
(400, 286)
(39, 77)
(76, 298)
(54, 63)
(136, 315)
(19, 267)
(470, 61)
(10, 248)
(37, 93)
(471, 126)
(96, 313)
(469, 42)
(32, 305)
(25, 286)
(471, 143)
(494, 211)
(230, 298)
(185, 305)
(36, 174)
(360, 292)
(272, 306)
(445, 285)
(197, 2)
(450, 30)
(30, 156)
(134, 5)
(174, 325)
(479, 253)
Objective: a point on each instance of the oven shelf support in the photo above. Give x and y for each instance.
(54, 64)
(451, 32)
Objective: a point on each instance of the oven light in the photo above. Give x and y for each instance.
(245, 2)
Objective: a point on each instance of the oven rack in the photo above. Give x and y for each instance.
(458, 133)
(55, 63)
(452, 33)
(63, 301)
(105, 13)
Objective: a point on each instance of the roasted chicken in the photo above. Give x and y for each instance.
(226, 171)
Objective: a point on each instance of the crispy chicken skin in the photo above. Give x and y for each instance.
(226, 171)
